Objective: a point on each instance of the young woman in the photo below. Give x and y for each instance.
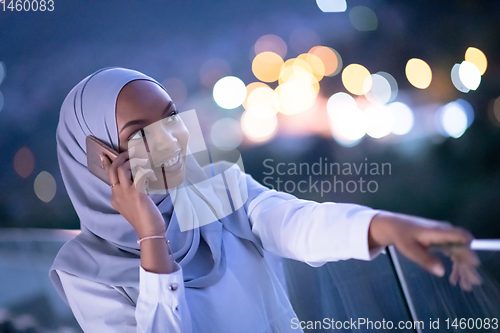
(216, 279)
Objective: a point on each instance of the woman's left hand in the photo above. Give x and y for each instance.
(413, 237)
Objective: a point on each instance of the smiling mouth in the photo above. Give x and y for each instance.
(172, 161)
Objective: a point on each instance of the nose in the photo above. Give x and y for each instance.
(163, 138)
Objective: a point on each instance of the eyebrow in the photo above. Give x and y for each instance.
(141, 121)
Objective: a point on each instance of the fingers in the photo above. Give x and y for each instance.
(112, 167)
(445, 234)
(142, 178)
(416, 252)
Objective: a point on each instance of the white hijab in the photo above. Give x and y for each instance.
(106, 250)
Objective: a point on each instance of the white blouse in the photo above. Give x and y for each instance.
(249, 297)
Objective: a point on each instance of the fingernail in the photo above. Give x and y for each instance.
(102, 161)
(438, 270)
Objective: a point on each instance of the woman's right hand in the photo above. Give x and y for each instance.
(135, 206)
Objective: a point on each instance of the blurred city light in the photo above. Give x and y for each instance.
(226, 133)
(356, 78)
(348, 122)
(379, 120)
(363, 18)
(403, 118)
(24, 162)
(496, 111)
(45, 186)
(262, 101)
(331, 59)
(266, 66)
(213, 70)
(315, 63)
(455, 79)
(296, 69)
(271, 43)
(332, 6)
(377, 89)
(296, 96)
(469, 75)
(257, 129)
(229, 92)
(176, 89)
(478, 58)
(392, 82)
(452, 120)
(419, 73)
(251, 87)
(2, 71)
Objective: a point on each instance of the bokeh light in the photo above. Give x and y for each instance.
(348, 122)
(251, 87)
(2, 71)
(477, 57)
(332, 6)
(356, 78)
(229, 92)
(45, 186)
(176, 89)
(266, 66)
(226, 133)
(469, 75)
(452, 120)
(296, 96)
(377, 89)
(296, 69)
(418, 73)
(315, 63)
(469, 110)
(271, 43)
(331, 59)
(403, 118)
(363, 18)
(392, 82)
(263, 102)
(496, 111)
(24, 162)
(257, 129)
(455, 79)
(379, 121)
(303, 39)
(213, 70)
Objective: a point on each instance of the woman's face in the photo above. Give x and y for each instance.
(148, 125)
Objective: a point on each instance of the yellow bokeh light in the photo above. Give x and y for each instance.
(251, 87)
(296, 96)
(263, 102)
(354, 77)
(316, 64)
(330, 58)
(296, 69)
(257, 129)
(266, 66)
(477, 57)
(418, 73)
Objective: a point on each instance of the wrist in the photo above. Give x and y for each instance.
(381, 230)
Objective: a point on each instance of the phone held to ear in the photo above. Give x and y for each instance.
(96, 148)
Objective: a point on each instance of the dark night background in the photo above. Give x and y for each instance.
(458, 180)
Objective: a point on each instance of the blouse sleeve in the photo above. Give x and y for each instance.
(308, 231)
(161, 305)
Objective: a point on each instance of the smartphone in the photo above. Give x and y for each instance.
(96, 148)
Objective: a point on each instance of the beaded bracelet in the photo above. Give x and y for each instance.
(149, 237)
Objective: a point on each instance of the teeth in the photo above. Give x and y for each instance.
(172, 161)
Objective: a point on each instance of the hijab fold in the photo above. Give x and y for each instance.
(106, 250)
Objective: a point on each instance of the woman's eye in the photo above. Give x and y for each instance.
(137, 135)
(172, 117)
